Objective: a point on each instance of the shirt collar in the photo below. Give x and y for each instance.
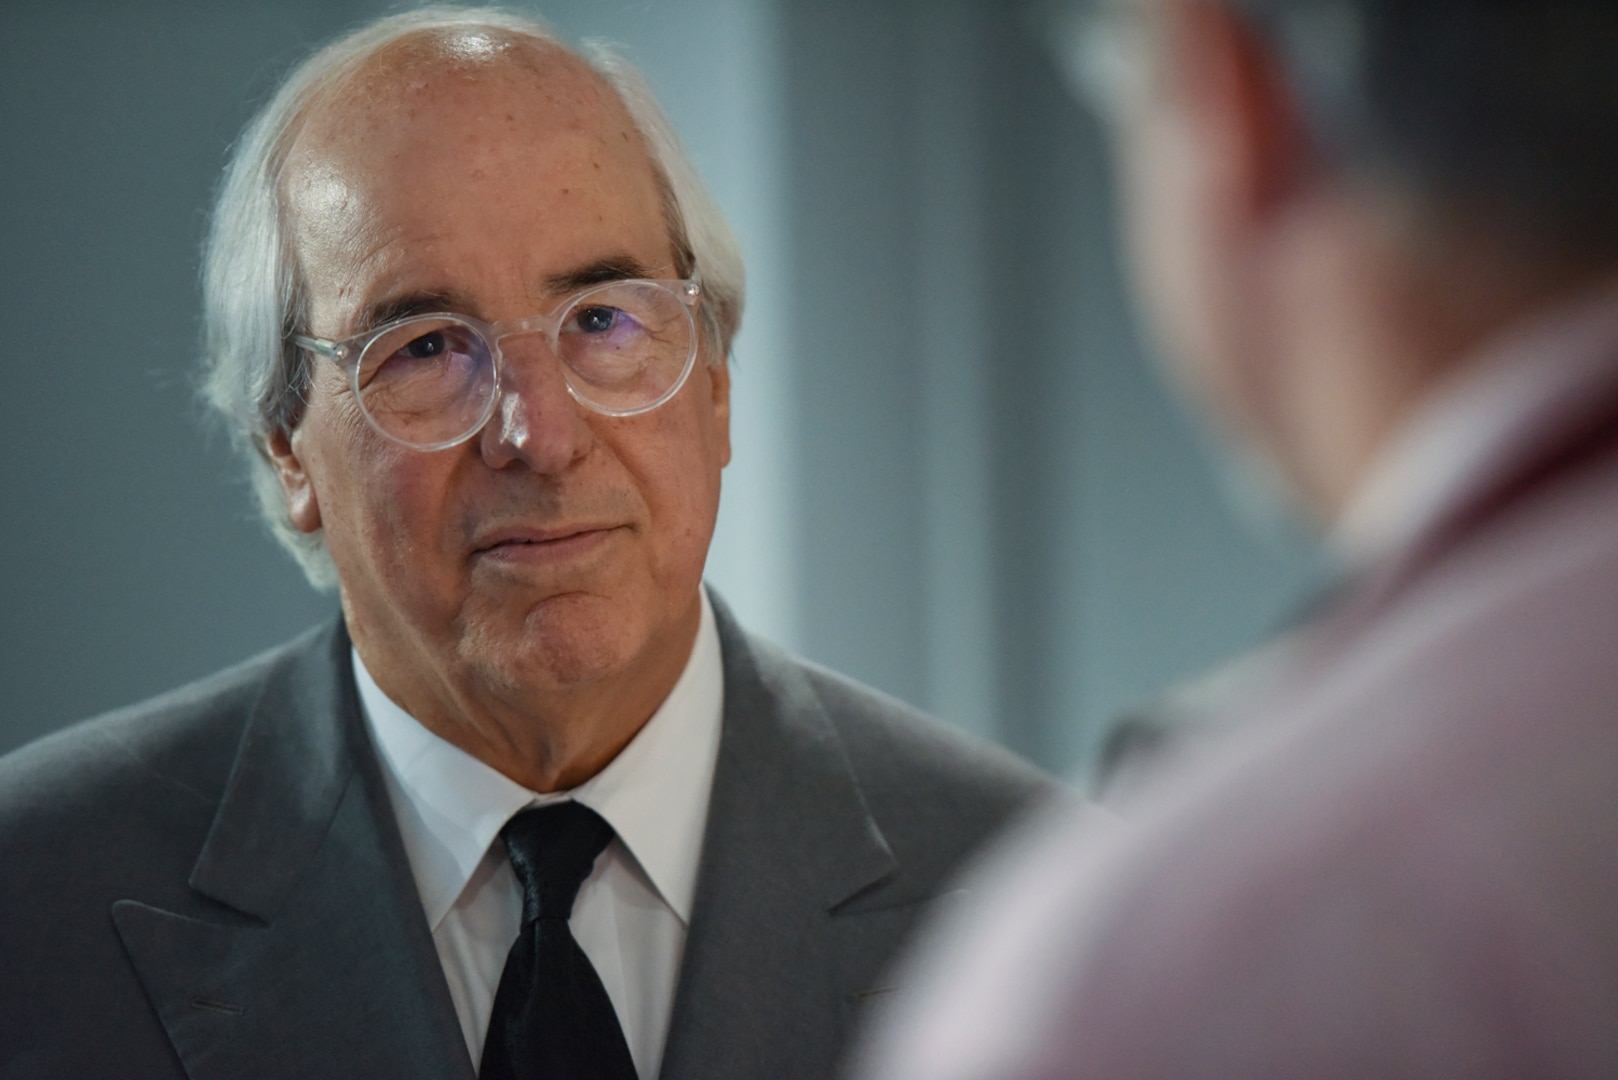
(1526, 385)
(450, 805)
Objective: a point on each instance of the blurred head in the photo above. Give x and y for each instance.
(1329, 202)
(467, 163)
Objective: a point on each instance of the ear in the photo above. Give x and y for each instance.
(1241, 103)
(719, 400)
(303, 508)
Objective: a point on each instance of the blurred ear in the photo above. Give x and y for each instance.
(719, 401)
(1239, 103)
(303, 509)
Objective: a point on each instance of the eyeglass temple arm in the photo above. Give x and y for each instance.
(318, 345)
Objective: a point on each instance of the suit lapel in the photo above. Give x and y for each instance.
(317, 961)
(778, 949)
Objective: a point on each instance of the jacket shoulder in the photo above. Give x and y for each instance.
(175, 749)
(892, 744)
(936, 792)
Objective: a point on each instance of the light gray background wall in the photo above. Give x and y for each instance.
(955, 476)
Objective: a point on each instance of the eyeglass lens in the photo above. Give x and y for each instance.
(430, 381)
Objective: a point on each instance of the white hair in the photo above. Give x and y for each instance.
(253, 298)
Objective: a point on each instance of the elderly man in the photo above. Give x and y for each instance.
(536, 805)
(1381, 241)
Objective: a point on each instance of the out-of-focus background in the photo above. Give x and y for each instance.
(956, 476)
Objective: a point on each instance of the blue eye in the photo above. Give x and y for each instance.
(598, 320)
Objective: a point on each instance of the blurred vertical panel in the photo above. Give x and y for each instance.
(852, 160)
(954, 329)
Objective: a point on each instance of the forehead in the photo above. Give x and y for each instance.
(464, 77)
(454, 153)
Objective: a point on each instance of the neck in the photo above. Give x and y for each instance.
(1373, 313)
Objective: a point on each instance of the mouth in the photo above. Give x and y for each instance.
(543, 545)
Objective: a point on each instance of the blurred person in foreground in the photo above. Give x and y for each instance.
(534, 805)
(1379, 242)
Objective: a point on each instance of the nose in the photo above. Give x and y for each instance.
(536, 421)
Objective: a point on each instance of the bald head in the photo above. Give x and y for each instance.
(410, 70)
(443, 142)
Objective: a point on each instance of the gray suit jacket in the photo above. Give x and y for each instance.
(212, 885)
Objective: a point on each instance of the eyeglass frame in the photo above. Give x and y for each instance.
(347, 352)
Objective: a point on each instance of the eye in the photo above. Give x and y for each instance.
(425, 347)
(598, 319)
(419, 346)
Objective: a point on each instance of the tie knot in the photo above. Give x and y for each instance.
(552, 849)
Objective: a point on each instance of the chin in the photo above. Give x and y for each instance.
(560, 642)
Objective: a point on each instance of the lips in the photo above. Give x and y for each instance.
(522, 543)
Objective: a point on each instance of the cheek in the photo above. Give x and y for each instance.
(403, 510)
(382, 504)
(677, 469)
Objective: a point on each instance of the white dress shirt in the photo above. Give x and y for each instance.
(632, 912)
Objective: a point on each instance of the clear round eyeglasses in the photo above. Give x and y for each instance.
(431, 381)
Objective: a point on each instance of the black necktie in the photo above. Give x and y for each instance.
(552, 1019)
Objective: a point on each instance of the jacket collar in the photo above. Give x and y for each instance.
(780, 945)
(317, 957)
(293, 767)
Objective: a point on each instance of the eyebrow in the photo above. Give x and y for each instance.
(612, 268)
(403, 306)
